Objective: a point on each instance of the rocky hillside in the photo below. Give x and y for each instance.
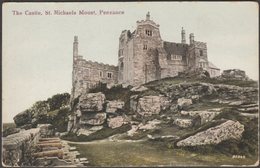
(190, 111)
(54, 110)
(201, 114)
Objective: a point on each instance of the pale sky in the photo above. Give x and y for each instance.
(37, 50)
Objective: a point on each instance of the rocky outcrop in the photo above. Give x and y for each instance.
(150, 125)
(205, 116)
(149, 105)
(164, 137)
(113, 106)
(92, 118)
(231, 92)
(182, 102)
(91, 102)
(23, 118)
(115, 122)
(88, 130)
(133, 130)
(188, 90)
(183, 123)
(139, 89)
(214, 135)
(194, 73)
(236, 74)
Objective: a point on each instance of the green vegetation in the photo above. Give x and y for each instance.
(54, 110)
(100, 134)
(107, 153)
(8, 125)
(8, 128)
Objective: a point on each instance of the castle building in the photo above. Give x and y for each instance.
(142, 57)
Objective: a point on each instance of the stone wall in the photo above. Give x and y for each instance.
(87, 74)
(15, 146)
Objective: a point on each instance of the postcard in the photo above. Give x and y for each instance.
(130, 84)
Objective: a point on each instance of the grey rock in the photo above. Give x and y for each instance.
(115, 122)
(205, 116)
(149, 105)
(236, 74)
(214, 135)
(23, 118)
(139, 89)
(113, 106)
(91, 102)
(183, 123)
(182, 102)
(92, 118)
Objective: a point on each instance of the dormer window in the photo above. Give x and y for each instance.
(148, 32)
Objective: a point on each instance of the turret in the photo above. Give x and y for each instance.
(183, 38)
(148, 16)
(75, 47)
(191, 38)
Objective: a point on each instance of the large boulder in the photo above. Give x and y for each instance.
(149, 125)
(214, 135)
(92, 102)
(183, 123)
(188, 90)
(194, 73)
(89, 130)
(139, 89)
(205, 116)
(113, 106)
(92, 118)
(182, 102)
(149, 105)
(23, 118)
(115, 122)
(236, 74)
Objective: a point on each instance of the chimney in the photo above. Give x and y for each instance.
(148, 16)
(191, 38)
(183, 38)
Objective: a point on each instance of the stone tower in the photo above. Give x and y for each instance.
(198, 56)
(138, 59)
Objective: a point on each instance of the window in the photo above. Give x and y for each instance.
(145, 47)
(121, 52)
(202, 64)
(201, 52)
(100, 74)
(109, 75)
(176, 57)
(148, 32)
(122, 66)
